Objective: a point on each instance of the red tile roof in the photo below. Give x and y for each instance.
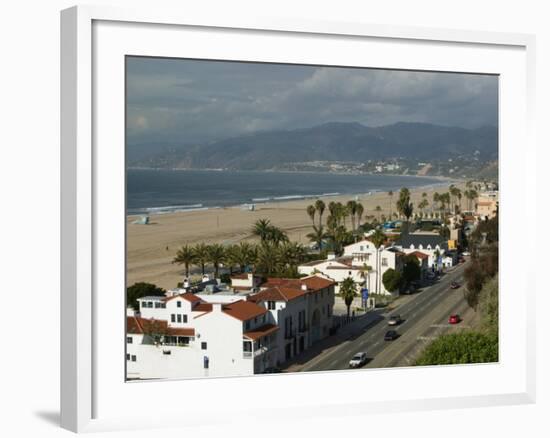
(419, 254)
(277, 293)
(261, 332)
(239, 276)
(186, 296)
(203, 307)
(313, 283)
(243, 310)
(139, 326)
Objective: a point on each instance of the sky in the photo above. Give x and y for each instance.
(179, 101)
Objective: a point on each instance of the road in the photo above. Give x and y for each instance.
(424, 317)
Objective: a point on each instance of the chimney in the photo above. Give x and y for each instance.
(185, 283)
(304, 287)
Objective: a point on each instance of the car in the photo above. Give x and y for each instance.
(390, 335)
(465, 253)
(358, 360)
(395, 320)
(454, 318)
(454, 285)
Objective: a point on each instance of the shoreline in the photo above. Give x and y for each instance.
(157, 211)
(151, 248)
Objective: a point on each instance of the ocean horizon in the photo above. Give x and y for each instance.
(158, 191)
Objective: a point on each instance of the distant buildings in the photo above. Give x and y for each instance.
(227, 332)
(487, 205)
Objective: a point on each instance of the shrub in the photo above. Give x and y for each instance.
(461, 348)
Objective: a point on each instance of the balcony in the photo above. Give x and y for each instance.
(257, 352)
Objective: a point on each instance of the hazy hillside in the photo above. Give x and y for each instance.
(329, 142)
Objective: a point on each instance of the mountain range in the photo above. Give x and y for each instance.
(333, 141)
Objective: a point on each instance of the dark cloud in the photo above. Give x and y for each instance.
(188, 101)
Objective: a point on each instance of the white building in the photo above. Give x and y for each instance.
(228, 333)
(432, 245)
(354, 262)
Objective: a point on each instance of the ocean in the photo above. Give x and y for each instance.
(151, 191)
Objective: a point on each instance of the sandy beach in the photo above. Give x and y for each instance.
(152, 247)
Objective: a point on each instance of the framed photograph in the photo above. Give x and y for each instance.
(294, 211)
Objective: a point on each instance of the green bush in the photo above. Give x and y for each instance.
(461, 348)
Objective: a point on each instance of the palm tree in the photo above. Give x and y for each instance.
(435, 199)
(390, 193)
(348, 292)
(318, 236)
(360, 210)
(378, 238)
(185, 256)
(261, 229)
(276, 235)
(242, 255)
(311, 213)
(201, 255)
(291, 255)
(216, 256)
(268, 258)
(378, 209)
(423, 204)
(351, 208)
(320, 207)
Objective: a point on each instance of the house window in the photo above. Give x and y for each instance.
(271, 305)
(247, 325)
(384, 261)
(179, 303)
(173, 317)
(179, 318)
(157, 305)
(128, 356)
(143, 304)
(167, 352)
(163, 305)
(361, 248)
(129, 340)
(184, 318)
(203, 345)
(134, 358)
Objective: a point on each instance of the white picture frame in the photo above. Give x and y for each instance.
(94, 396)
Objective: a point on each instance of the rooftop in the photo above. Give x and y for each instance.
(261, 331)
(243, 310)
(421, 239)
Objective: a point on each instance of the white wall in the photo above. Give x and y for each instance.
(29, 172)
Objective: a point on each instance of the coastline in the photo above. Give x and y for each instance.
(257, 202)
(151, 248)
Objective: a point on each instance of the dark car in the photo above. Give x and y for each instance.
(454, 285)
(390, 335)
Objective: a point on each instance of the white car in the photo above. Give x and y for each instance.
(358, 360)
(466, 253)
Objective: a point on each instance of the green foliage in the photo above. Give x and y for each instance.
(411, 269)
(392, 280)
(348, 292)
(488, 305)
(140, 290)
(461, 348)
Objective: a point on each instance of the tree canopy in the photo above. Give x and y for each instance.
(392, 280)
(140, 290)
(461, 348)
